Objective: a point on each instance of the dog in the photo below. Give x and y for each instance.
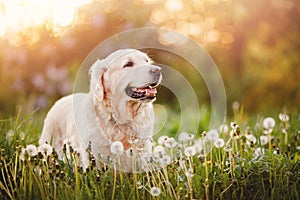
(117, 108)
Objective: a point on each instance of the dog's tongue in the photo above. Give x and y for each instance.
(148, 91)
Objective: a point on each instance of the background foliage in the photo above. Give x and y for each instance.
(254, 43)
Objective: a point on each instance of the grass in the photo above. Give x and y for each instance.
(240, 168)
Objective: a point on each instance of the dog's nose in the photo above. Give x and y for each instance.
(155, 70)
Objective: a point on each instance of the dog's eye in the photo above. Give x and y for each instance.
(128, 64)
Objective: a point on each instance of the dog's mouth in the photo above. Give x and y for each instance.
(142, 93)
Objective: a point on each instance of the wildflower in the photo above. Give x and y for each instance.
(259, 151)
(190, 151)
(263, 140)
(189, 173)
(251, 139)
(212, 135)
(269, 123)
(223, 128)
(170, 143)
(139, 185)
(233, 125)
(185, 137)
(45, 149)
(155, 191)
(284, 117)
(219, 143)
(10, 133)
(284, 131)
(198, 145)
(32, 150)
(159, 151)
(161, 140)
(117, 148)
(22, 154)
(165, 160)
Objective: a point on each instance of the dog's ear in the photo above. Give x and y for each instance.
(96, 78)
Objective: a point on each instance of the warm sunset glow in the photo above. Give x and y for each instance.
(18, 18)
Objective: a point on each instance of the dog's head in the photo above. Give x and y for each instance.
(124, 78)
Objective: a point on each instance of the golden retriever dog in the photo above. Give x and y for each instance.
(118, 108)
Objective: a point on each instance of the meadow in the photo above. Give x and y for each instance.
(256, 158)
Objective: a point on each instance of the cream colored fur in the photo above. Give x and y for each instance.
(106, 114)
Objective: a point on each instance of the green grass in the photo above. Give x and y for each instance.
(233, 171)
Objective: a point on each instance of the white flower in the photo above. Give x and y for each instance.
(259, 151)
(219, 143)
(185, 137)
(155, 191)
(263, 140)
(170, 143)
(117, 148)
(250, 139)
(212, 135)
(45, 149)
(159, 151)
(161, 140)
(189, 173)
(284, 117)
(32, 150)
(269, 123)
(198, 145)
(139, 185)
(223, 128)
(190, 151)
(10, 133)
(22, 154)
(233, 125)
(165, 160)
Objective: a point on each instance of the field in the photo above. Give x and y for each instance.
(253, 159)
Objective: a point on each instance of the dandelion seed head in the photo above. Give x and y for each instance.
(45, 149)
(189, 173)
(190, 151)
(269, 123)
(198, 145)
(10, 133)
(159, 151)
(263, 140)
(22, 154)
(185, 137)
(250, 139)
(212, 135)
(139, 185)
(233, 125)
(31, 150)
(170, 143)
(165, 160)
(259, 151)
(284, 117)
(219, 143)
(284, 131)
(117, 148)
(161, 140)
(155, 191)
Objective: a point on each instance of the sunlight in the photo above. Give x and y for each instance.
(21, 16)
